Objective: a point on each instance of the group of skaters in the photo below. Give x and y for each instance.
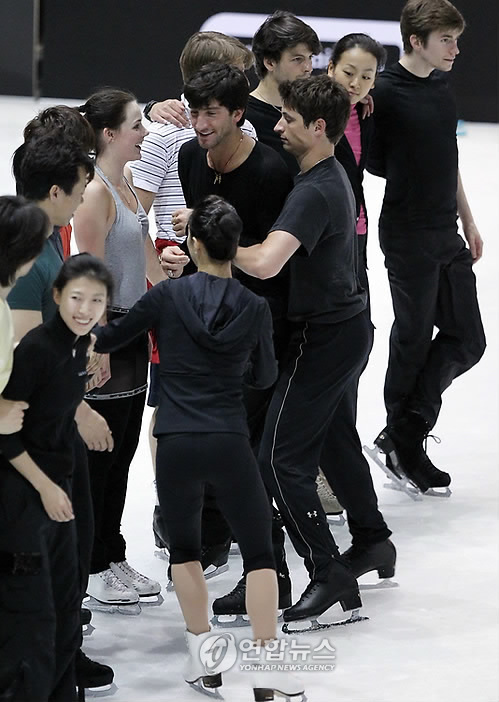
(255, 297)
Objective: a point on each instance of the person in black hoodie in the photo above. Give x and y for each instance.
(213, 335)
(40, 594)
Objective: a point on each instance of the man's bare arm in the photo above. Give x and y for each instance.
(265, 260)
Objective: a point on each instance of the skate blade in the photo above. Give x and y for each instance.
(151, 600)
(315, 625)
(236, 621)
(385, 584)
(396, 483)
(336, 519)
(131, 610)
(230, 621)
(104, 691)
(162, 553)
(87, 630)
(208, 691)
(212, 571)
(438, 492)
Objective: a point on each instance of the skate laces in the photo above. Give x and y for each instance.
(133, 574)
(111, 580)
(323, 489)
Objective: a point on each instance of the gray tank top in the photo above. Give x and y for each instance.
(124, 250)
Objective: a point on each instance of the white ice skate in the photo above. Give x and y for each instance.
(267, 680)
(149, 591)
(107, 593)
(201, 670)
(329, 501)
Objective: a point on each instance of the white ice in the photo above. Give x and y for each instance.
(433, 639)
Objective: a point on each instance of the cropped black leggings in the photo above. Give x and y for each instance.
(185, 462)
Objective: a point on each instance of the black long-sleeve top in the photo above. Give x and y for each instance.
(49, 373)
(213, 335)
(414, 147)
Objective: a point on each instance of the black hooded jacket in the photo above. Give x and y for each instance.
(213, 336)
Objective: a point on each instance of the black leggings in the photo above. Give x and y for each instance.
(184, 464)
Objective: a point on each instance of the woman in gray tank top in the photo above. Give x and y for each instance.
(112, 225)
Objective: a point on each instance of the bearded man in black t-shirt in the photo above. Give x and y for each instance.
(330, 342)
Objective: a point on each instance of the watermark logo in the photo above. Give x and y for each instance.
(218, 653)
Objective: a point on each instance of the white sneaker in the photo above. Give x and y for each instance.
(144, 586)
(108, 588)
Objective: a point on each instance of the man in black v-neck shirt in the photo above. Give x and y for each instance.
(330, 341)
(429, 266)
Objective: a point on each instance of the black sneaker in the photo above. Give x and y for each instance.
(89, 673)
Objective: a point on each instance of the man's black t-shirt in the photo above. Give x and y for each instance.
(264, 118)
(257, 190)
(415, 149)
(320, 213)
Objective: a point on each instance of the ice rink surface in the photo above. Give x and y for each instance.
(435, 637)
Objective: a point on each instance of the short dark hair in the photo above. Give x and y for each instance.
(421, 17)
(84, 265)
(218, 81)
(212, 47)
(23, 230)
(106, 108)
(47, 161)
(216, 223)
(360, 41)
(61, 121)
(281, 31)
(318, 97)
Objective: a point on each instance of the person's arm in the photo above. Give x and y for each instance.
(262, 367)
(169, 112)
(468, 223)
(55, 501)
(94, 218)
(265, 260)
(142, 316)
(93, 429)
(24, 321)
(146, 198)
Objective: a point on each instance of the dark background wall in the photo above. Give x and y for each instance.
(135, 44)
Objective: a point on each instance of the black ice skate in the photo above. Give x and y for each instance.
(214, 561)
(230, 610)
(380, 557)
(160, 534)
(407, 464)
(92, 675)
(319, 596)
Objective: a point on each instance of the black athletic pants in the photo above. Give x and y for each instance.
(184, 463)
(256, 402)
(109, 476)
(342, 460)
(323, 363)
(40, 626)
(432, 285)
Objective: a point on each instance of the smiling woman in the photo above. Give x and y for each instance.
(112, 225)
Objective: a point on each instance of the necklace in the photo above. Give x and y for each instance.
(125, 192)
(276, 107)
(218, 174)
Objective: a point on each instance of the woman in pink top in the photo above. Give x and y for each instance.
(355, 62)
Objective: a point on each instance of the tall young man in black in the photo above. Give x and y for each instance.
(331, 335)
(429, 266)
(255, 180)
